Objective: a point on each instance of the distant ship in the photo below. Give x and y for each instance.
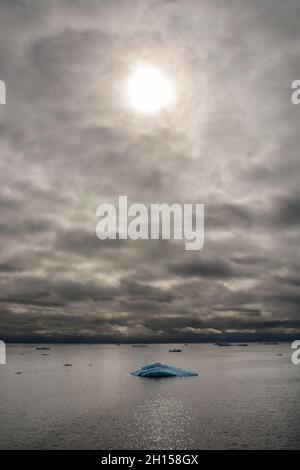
(174, 350)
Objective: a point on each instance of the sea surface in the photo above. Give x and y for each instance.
(243, 398)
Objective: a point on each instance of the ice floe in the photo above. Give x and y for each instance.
(162, 370)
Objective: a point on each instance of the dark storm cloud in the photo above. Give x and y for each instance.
(84, 243)
(251, 312)
(249, 260)
(69, 141)
(294, 281)
(214, 268)
(287, 212)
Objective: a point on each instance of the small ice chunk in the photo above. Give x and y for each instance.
(162, 370)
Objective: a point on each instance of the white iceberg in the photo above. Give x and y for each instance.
(162, 370)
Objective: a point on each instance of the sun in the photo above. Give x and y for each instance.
(149, 90)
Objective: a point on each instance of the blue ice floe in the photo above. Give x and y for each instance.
(162, 370)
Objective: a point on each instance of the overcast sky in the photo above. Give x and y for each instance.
(69, 141)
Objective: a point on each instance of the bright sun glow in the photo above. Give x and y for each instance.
(149, 90)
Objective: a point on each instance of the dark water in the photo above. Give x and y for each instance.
(243, 398)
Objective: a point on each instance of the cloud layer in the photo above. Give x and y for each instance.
(69, 141)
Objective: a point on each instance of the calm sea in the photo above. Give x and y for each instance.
(244, 397)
